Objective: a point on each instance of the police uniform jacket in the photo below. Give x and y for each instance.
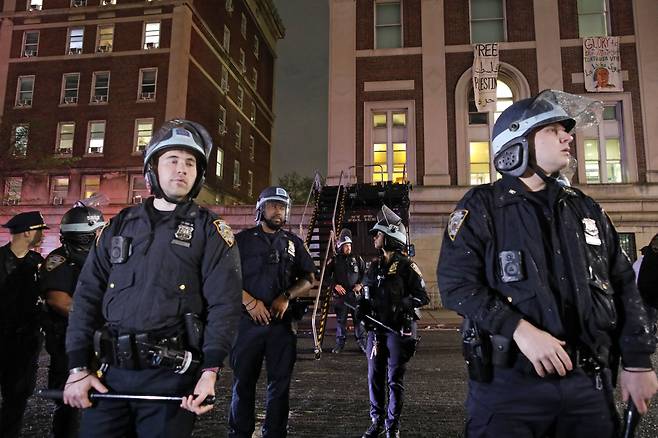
(271, 262)
(346, 270)
(186, 262)
(19, 288)
(396, 288)
(594, 276)
(60, 273)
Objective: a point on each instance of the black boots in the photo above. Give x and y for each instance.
(375, 430)
(393, 432)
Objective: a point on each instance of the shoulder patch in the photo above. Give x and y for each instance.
(224, 231)
(455, 222)
(53, 261)
(416, 269)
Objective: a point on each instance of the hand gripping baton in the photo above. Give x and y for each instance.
(55, 394)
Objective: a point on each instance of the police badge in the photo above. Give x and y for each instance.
(455, 222)
(183, 234)
(53, 261)
(591, 232)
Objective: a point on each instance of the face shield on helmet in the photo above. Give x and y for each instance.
(272, 194)
(178, 134)
(78, 229)
(344, 237)
(517, 122)
(395, 233)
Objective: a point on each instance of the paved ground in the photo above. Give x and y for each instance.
(329, 397)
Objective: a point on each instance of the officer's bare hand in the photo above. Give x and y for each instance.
(339, 289)
(641, 386)
(204, 387)
(78, 385)
(259, 313)
(279, 306)
(357, 288)
(546, 353)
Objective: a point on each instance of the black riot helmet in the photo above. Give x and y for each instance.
(78, 230)
(178, 134)
(272, 194)
(395, 233)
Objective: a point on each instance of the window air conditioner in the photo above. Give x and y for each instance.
(11, 201)
(95, 149)
(147, 96)
(58, 200)
(75, 50)
(29, 52)
(99, 98)
(35, 7)
(106, 2)
(152, 46)
(70, 99)
(63, 151)
(79, 3)
(104, 48)
(137, 199)
(24, 102)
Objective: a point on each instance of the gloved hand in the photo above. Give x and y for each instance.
(407, 304)
(362, 309)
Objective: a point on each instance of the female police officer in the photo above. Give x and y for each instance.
(153, 264)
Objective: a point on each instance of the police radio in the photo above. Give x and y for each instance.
(511, 266)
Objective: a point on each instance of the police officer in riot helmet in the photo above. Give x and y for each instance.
(394, 289)
(20, 340)
(158, 299)
(277, 268)
(549, 298)
(346, 271)
(59, 275)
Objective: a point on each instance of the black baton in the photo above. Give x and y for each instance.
(631, 419)
(56, 394)
(371, 319)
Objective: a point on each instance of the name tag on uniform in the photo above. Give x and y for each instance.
(591, 232)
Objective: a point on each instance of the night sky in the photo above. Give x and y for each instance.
(301, 86)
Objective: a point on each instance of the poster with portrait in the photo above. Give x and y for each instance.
(602, 64)
(485, 75)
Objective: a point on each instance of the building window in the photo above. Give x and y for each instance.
(20, 137)
(593, 18)
(222, 120)
(75, 40)
(219, 167)
(479, 162)
(105, 38)
(236, 174)
(143, 134)
(240, 97)
(78, 3)
(65, 135)
(96, 137)
(12, 192)
(252, 117)
(100, 87)
(70, 82)
(243, 25)
(138, 189)
(388, 24)
(228, 4)
(34, 5)
(250, 183)
(604, 148)
(252, 148)
(243, 66)
(389, 148)
(226, 43)
(238, 135)
(151, 35)
(256, 46)
(223, 85)
(24, 91)
(487, 21)
(254, 77)
(30, 43)
(59, 189)
(91, 185)
(147, 83)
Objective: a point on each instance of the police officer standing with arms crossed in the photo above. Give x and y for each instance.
(277, 268)
(536, 268)
(20, 340)
(156, 270)
(393, 289)
(347, 271)
(59, 275)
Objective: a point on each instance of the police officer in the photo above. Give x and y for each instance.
(393, 291)
(59, 276)
(157, 270)
(20, 340)
(277, 268)
(536, 268)
(647, 279)
(346, 271)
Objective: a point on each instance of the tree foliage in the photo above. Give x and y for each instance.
(297, 185)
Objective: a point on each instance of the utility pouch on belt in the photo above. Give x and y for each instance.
(126, 353)
(105, 346)
(500, 351)
(477, 352)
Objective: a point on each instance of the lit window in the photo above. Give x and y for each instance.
(147, 83)
(252, 148)
(243, 25)
(256, 46)
(222, 120)
(20, 137)
(91, 185)
(70, 82)
(504, 98)
(487, 21)
(238, 135)
(219, 168)
(100, 87)
(389, 150)
(151, 35)
(250, 183)
(75, 40)
(34, 5)
(479, 162)
(592, 18)
(24, 91)
(96, 138)
(223, 85)
(105, 38)
(59, 189)
(12, 192)
(604, 149)
(138, 191)
(30, 43)
(143, 134)
(236, 174)
(388, 25)
(379, 121)
(65, 135)
(226, 43)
